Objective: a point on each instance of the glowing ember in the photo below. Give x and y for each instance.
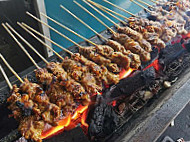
(114, 103)
(81, 110)
(186, 36)
(83, 119)
(124, 73)
(79, 116)
(154, 64)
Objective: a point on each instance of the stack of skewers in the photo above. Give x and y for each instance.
(63, 86)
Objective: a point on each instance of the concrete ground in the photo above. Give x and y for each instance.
(181, 128)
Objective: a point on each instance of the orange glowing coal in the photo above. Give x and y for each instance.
(81, 113)
(78, 117)
(124, 73)
(154, 64)
(186, 36)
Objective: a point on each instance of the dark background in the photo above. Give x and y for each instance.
(12, 11)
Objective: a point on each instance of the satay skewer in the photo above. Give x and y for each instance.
(122, 9)
(97, 58)
(77, 57)
(144, 55)
(135, 59)
(128, 31)
(6, 78)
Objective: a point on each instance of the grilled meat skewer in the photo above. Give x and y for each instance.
(130, 44)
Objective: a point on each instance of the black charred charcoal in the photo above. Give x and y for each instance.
(103, 122)
(129, 85)
(74, 135)
(154, 56)
(170, 53)
(187, 46)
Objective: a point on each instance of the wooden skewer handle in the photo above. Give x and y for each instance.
(6, 77)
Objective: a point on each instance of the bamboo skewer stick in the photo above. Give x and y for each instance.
(40, 41)
(107, 17)
(101, 13)
(20, 45)
(122, 9)
(105, 10)
(87, 24)
(6, 78)
(54, 30)
(61, 34)
(84, 22)
(110, 10)
(26, 52)
(141, 6)
(63, 26)
(151, 6)
(11, 69)
(112, 31)
(145, 3)
(154, 1)
(38, 33)
(120, 20)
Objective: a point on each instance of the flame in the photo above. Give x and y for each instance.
(79, 116)
(154, 64)
(124, 73)
(186, 36)
(62, 124)
(83, 119)
(79, 111)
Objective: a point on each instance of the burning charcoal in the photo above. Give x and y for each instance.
(74, 135)
(170, 53)
(129, 85)
(187, 46)
(103, 122)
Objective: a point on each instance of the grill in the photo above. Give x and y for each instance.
(139, 108)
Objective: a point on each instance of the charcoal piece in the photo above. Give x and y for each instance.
(74, 135)
(7, 124)
(154, 56)
(170, 53)
(103, 122)
(187, 46)
(12, 136)
(130, 85)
